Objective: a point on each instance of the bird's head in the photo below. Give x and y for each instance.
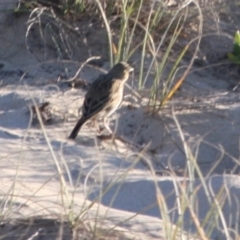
(121, 71)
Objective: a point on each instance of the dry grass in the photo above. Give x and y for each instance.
(164, 31)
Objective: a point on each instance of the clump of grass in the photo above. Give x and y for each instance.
(141, 30)
(234, 56)
(146, 27)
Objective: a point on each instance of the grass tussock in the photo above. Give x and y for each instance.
(149, 28)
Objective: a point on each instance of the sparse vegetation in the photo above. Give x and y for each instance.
(148, 34)
(234, 56)
(145, 27)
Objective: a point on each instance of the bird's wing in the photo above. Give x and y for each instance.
(99, 95)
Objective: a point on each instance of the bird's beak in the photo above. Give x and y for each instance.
(131, 69)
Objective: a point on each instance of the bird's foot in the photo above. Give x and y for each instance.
(108, 133)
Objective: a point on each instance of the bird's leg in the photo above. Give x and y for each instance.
(106, 125)
(94, 123)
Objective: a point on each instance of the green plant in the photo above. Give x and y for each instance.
(141, 31)
(234, 56)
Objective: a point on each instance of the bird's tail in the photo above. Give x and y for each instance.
(77, 128)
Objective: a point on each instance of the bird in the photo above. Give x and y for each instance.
(104, 96)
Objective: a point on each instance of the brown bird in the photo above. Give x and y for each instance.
(104, 96)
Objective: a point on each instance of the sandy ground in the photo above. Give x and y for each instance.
(206, 109)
